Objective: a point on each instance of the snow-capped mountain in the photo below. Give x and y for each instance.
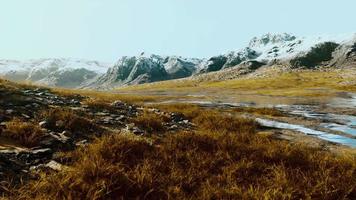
(53, 72)
(146, 68)
(267, 50)
(271, 48)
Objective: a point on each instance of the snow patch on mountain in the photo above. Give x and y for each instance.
(285, 46)
(64, 72)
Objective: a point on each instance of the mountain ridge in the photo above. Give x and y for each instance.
(266, 50)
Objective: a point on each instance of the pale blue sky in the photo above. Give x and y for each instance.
(107, 29)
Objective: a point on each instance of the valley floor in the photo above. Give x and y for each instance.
(285, 136)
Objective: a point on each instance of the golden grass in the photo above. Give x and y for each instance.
(259, 111)
(302, 83)
(223, 159)
(108, 97)
(198, 166)
(214, 121)
(26, 133)
(150, 122)
(60, 119)
(190, 111)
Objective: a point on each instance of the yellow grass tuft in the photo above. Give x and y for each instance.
(26, 133)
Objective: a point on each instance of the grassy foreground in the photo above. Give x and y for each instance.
(223, 158)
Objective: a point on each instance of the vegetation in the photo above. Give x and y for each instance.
(306, 83)
(217, 162)
(60, 119)
(151, 122)
(259, 111)
(26, 133)
(223, 157)
(107, 97)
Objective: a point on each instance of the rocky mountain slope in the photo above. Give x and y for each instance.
(269, 50)
(146, 68)
(53, 72)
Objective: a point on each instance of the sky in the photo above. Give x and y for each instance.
(104, 30)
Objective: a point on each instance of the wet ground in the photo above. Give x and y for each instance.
(329, 119)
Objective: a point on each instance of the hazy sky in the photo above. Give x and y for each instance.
(106, 29)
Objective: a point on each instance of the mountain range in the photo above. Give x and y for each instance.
(267, 50)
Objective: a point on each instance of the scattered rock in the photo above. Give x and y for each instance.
(9, 111)
(54, 165)
(82, 143)
(43, 124)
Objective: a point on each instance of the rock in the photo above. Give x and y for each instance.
(137, 131)
(35, 105)
(3, 124)
(118, 103)
(120, 118)
(9, 111)
(43, 124)
(130, 126)
(82, 143)
(66, 133)
(59, 136)
(108, 120)
(54, 165)
(155, 110)
(39, 153)
(177, 117)
(102, 114)
(57, 141)
(75, 102)
(173, 127)
(59, 123)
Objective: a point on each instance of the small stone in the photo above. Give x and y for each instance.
(25, 116)
(43, 124)
(120, 118)
(117, 103)
(36, 105)
(137, 131)
(54, 165)
(82, 143)
(130, 126)
(173, 127)
(101, 114)
(9, 111)
(66, 133)
(59, 123)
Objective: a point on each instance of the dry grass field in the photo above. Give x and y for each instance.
(221, 157)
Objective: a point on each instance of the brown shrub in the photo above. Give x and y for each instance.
(150, 122)
(99, 104)
(26, 133)
(199, 166)
(260, 111)
(190, 111)
(64, 119)
(215, 121)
